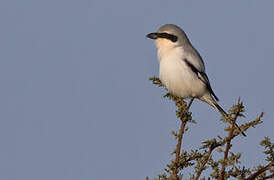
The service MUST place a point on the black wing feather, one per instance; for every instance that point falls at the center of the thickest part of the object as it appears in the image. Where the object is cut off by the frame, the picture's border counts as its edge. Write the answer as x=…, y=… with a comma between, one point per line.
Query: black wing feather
x=202, y=76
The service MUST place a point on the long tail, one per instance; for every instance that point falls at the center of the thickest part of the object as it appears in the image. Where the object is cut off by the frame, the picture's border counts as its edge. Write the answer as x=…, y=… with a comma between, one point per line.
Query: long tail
x=220, y=109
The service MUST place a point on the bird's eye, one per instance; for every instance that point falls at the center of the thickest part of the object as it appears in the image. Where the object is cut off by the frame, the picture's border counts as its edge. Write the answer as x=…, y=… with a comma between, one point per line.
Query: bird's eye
x=173, y=38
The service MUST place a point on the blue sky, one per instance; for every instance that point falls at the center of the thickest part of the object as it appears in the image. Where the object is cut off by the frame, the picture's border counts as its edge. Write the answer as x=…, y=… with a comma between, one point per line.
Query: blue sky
x=76, y=102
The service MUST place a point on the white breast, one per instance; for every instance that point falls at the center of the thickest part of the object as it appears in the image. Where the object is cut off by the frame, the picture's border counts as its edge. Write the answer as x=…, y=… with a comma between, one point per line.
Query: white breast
x=177, y=77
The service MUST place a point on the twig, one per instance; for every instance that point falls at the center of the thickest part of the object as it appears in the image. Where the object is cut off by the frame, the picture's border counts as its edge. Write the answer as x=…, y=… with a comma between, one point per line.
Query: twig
x=260, y=171
x=178, y=147
x=269, y=176
x=228, y=145
x=205, y=161
x=179, y=144
x=190, y=103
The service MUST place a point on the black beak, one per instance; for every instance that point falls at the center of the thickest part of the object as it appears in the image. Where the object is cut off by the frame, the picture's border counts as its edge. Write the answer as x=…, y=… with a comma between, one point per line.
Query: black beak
x=153, y=35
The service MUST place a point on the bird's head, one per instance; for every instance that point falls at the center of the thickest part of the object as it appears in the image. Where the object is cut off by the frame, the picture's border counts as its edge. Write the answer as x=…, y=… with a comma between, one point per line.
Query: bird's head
x=169, y=36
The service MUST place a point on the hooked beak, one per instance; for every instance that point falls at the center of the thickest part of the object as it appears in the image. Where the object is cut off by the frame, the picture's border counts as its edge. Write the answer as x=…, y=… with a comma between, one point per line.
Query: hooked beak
x=152, y=35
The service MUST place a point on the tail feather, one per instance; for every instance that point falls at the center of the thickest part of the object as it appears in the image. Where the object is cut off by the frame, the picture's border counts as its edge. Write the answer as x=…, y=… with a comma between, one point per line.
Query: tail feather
x=220, y=109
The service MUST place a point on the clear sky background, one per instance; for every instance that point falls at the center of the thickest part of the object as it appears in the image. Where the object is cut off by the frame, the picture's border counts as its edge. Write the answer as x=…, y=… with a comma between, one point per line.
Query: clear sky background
x=75, y=99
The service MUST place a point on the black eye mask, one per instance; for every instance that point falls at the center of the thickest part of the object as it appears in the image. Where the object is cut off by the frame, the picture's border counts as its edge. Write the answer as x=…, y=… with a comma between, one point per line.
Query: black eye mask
x=170, y=37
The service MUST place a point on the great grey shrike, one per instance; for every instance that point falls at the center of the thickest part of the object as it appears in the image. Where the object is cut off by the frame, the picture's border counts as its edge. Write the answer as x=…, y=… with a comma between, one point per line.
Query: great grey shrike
x=182, y=70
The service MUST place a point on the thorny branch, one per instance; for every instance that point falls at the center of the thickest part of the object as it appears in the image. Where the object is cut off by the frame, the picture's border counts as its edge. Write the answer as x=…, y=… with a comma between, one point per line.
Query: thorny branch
x=228, y=144
x=211, y=148
x=268, y=177
x=260, y=171
x=179, y=144
x=184, y=159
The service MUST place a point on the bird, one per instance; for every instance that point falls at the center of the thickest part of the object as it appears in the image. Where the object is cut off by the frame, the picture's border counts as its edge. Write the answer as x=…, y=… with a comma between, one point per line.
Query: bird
x=181, y=67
